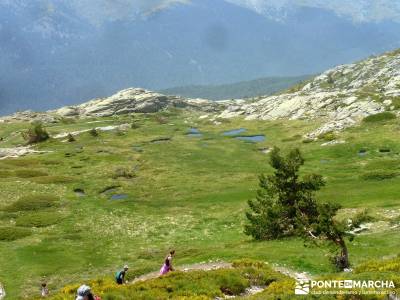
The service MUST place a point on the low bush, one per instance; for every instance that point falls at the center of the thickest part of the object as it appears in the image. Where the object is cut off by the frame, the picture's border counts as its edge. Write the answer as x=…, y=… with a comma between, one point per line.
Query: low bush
x=32, y=202
x=386, y=265
x=328, y=136
x=93, y=132
x=38, y=219
x=194, y=284
x=383, y=116
x=27, y=173
x=135, y=125
x=292, y=138
x=53, y=179
x=70, y=138
x=124, y=173
x=379, y=175
x=307, y=141
x=35, y=134
x=9, y=233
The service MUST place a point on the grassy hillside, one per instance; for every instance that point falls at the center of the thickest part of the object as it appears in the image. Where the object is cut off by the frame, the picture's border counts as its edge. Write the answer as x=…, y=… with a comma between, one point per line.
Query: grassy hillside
x=60, y=223
x=243, y=89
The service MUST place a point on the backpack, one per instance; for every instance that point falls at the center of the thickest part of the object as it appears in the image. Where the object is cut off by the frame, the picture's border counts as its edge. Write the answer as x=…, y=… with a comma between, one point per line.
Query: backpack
x=117, y=275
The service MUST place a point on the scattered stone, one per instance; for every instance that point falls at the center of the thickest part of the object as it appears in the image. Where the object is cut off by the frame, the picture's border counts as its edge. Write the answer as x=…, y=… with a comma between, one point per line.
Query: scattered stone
x=2, y=291
x=104, y=128
x=334, y=142
x=265, y=150
x=17, y=152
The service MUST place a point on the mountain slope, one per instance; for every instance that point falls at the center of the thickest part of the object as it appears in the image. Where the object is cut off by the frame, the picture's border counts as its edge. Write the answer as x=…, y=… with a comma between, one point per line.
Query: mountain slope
x=243, y=89
x=342, y=96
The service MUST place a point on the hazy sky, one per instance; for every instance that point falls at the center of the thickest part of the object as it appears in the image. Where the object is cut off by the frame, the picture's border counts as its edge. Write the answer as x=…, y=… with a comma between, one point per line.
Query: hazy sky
x=58, y=52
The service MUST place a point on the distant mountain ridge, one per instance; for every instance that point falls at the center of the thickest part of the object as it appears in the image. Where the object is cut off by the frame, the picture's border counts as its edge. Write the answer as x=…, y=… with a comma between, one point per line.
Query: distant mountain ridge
x=60, y=52
x=243, y=89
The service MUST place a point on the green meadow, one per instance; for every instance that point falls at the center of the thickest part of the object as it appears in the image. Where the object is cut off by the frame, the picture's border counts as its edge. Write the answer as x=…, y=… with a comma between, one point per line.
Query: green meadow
x=84, y=208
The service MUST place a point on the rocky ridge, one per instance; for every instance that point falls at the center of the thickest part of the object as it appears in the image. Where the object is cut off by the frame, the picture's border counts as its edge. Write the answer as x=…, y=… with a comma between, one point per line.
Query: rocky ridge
x=134, y=100
x=341, y=96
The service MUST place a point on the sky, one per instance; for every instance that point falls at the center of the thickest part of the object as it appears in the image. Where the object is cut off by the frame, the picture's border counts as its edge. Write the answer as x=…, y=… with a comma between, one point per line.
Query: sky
x=60, y=52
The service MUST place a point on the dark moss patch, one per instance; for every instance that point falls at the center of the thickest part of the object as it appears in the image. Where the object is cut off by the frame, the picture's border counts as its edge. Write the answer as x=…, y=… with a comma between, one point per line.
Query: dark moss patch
x=32, y=202
x=38, y=219
x=379, y=175
x=379, y=117
x=5, y=173
x=53, y=179
x=28, y=173
x=9, y=233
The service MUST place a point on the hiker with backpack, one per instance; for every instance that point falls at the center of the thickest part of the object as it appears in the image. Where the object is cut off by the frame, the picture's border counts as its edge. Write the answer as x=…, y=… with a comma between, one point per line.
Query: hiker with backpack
x=120, y=276
x=85, y=293
x=167, y=266
x=44, y=291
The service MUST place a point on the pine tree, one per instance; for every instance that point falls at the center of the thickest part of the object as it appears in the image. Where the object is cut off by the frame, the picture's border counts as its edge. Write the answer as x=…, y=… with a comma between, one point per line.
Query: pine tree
x=285, y=205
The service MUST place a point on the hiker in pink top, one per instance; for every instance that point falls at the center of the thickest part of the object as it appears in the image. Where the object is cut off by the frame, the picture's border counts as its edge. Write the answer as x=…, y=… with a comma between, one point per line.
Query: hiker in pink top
x=167, y=266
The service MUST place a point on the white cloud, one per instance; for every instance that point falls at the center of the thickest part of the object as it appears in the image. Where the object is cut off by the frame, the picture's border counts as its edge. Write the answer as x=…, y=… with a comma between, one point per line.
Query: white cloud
x=358, y=10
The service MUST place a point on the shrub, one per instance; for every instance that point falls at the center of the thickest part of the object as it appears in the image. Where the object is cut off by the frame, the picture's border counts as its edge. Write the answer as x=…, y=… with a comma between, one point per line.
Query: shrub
x=135, y=125
x=35, y=134
x=383, y=116
x=70, y=138
x=9, y=233
x=123, y=172
x=307, y=141
x=160, y=119
x=93, y=132
x=32, y=202
x=53, y=179
x=38, y=219
x=27, y=173
x=379, y=175
x=328, y=136
x=387, y=265
x=193, y=285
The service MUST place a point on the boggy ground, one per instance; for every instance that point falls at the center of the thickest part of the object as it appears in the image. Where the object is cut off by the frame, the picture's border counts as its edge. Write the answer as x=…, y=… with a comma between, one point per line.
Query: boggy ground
x=59, y=224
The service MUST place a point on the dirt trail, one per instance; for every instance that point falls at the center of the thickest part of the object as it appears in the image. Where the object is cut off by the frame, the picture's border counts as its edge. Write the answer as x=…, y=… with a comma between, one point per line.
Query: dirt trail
x=187, y=268
x=225, y=265
x=222, y=265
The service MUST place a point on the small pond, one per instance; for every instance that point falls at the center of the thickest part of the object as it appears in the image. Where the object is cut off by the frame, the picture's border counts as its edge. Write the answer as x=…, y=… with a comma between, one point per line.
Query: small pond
x=234, y=132
x=251, y=138
x=119, y=196
x=194, y=132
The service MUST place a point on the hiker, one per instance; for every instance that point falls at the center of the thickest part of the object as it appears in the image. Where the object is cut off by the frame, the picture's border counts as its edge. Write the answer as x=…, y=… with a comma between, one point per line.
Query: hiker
x=120, y=276
x=84, y=293
x=44, y=291
x=167, y=266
